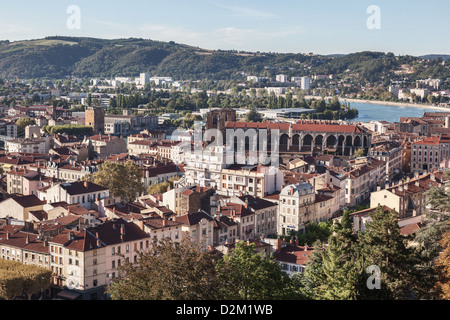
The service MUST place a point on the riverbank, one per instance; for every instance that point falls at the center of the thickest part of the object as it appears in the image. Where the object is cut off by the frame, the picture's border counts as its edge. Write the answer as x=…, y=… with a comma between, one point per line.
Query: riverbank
x=386, y=103
x=396, y=104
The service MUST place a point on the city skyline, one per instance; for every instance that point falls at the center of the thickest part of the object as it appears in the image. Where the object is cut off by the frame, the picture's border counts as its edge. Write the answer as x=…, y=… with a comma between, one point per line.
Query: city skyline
x=324, y=27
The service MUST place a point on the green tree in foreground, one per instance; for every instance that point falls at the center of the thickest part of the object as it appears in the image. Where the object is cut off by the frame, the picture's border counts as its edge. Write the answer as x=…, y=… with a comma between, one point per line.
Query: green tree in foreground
x=17, y=279
x=246, y=274
x=443, y=268
x=437, y=223
x=168, y=271
x=341, y=269
x=383, y=246
x=123, y=180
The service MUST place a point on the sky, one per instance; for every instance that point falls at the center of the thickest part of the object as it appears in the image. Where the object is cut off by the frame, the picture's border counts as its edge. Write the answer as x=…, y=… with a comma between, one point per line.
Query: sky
x=295, y=26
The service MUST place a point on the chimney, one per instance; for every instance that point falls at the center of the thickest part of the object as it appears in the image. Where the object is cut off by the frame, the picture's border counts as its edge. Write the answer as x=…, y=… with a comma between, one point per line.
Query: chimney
x=141, y=222
x=99, y=243
x=246, y=203
x=433, y=177
x=164, y=222
x=306, y=247
x=278, y=248
x=27, y=241
x=71, y=235
x=86, y=184
x=7, y=235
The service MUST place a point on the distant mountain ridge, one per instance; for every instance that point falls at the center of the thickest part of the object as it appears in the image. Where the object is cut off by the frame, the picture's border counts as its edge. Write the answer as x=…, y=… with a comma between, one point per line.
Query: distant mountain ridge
x=59, y=57
x=436, y=56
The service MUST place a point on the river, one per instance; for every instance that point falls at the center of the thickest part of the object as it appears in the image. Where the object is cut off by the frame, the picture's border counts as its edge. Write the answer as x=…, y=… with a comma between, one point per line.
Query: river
x=372, y=112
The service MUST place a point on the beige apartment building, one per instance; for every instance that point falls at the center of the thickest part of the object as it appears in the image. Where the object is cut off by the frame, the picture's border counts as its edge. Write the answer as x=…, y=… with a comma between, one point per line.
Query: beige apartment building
x=257, y=181
x=427, y=154
x=85, y=262
x=199, y=227
x=296, y=207
x=407, y=198
x=391, y=153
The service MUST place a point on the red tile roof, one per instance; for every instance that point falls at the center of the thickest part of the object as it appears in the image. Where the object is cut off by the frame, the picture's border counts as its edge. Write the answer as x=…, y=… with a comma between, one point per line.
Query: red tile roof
x=28, y=201
x=312, y=127
x=82, y=187
x=410, y=229
x=294, y=254
x=194, y=218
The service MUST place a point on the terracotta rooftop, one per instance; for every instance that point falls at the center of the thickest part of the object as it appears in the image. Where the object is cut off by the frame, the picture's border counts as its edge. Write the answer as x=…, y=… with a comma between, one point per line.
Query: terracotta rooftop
x=313, y=127
x=28, y=201
x=155, y=223
x=106, y=234
x=293, y=254
x=81, y=187
x=194, y=218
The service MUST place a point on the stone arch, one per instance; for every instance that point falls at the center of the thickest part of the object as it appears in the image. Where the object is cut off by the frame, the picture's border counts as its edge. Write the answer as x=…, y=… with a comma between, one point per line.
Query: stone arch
x=318, y=141
x=331, y=141
x=349, y=141
x=308, y=140
x=348, y=145
x=365, y=142
x=357, y=143
x=284, y=141
x=247, y=143
x=341, y=143
x=296, y=141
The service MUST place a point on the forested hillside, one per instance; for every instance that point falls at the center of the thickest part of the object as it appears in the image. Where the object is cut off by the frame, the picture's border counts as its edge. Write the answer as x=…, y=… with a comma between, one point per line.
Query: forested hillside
x=59, y=57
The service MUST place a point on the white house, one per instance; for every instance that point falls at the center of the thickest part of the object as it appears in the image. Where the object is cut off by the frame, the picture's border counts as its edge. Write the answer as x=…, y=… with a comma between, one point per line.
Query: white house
x=81, y=192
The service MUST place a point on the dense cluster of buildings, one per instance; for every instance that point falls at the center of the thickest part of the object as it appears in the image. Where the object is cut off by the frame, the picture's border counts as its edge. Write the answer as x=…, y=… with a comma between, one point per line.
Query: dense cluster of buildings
x=423, y=89
x=224, y=190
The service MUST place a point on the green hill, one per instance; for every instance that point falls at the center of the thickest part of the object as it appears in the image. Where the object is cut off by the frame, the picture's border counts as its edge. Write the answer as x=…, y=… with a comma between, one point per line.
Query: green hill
x=59, y=57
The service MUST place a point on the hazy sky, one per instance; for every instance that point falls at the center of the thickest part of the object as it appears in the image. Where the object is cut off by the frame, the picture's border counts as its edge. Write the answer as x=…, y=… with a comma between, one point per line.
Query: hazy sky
x=320, y=26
